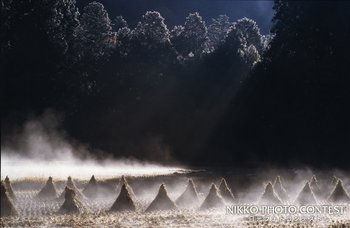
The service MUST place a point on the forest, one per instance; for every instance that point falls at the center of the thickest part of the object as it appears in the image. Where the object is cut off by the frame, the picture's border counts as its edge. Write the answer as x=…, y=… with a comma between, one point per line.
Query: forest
x=202, y=93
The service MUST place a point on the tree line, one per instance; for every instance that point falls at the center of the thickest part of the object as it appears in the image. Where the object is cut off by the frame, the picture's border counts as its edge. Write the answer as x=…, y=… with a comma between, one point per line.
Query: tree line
x=132, y=83
x=200, y=92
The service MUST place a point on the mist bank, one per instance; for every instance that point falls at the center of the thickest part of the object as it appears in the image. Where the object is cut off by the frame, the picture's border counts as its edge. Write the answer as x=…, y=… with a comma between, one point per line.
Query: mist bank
x=19, y=167
x=41, y=148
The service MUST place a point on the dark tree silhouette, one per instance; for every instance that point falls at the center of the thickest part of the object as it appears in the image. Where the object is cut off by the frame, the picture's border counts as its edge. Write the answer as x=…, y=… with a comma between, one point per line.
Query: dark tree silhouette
x=293, y=107
x=251, y=32
x=148, y=92
x=118, y=23
x=62, y=24
x=191, y=39
x=217, y=30
x=95, y=33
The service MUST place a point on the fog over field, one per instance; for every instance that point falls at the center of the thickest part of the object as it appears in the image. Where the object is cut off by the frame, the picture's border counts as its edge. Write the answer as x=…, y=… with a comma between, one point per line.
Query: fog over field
x=41, y=148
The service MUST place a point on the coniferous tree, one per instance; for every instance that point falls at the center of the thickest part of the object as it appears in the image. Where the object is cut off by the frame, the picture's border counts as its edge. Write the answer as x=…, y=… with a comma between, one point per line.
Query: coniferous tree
x=95, y=33
x=251, y=32
x=124, y=36
x=217, y=31
x=62, y=24
x=294, y=100
x=118, y=23
x=151, y=30
x=148, y=50
x=191, y=41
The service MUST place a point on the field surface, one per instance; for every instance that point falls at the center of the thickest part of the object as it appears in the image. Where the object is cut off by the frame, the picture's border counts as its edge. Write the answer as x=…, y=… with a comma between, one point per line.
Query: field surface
x=33, y=212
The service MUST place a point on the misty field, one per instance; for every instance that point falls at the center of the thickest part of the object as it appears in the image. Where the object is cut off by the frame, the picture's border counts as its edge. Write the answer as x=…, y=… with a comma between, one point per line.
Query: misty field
x=246, y=187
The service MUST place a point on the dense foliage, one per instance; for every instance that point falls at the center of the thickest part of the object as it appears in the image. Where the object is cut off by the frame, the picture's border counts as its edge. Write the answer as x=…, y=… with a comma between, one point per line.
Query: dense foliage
x=190, y=92
x=295, y=105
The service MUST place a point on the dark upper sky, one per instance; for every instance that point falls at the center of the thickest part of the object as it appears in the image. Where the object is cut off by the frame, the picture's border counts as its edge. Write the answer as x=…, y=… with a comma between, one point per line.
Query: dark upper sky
x=175, y=11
